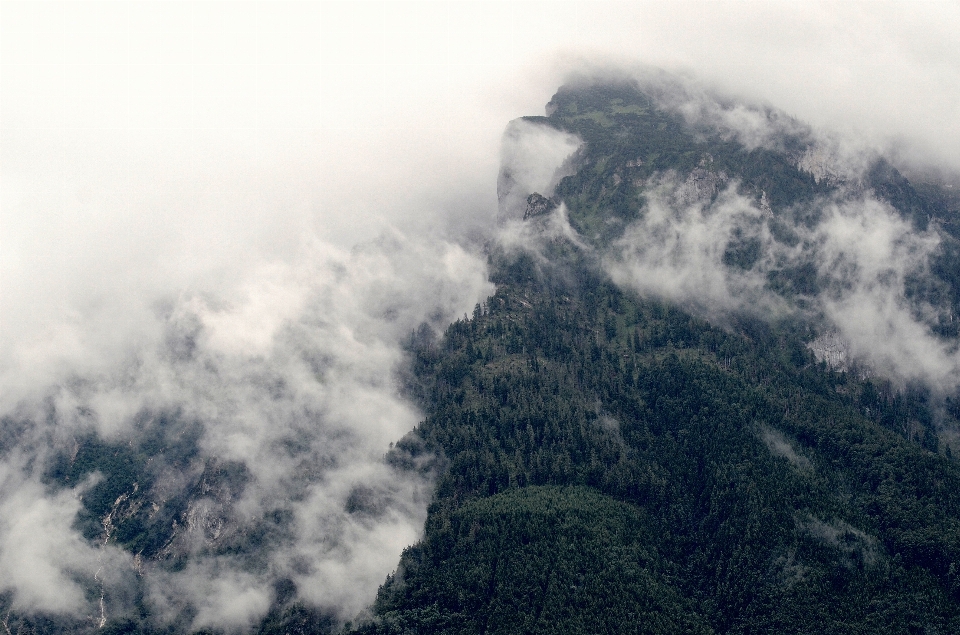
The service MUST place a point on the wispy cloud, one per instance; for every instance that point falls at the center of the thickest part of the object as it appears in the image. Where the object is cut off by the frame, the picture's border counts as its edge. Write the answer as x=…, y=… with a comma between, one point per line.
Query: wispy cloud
x=183, y=188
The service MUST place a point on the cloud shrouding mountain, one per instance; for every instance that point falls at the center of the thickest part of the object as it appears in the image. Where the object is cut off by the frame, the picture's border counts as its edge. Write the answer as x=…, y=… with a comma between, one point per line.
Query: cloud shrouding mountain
x=291, y=379
x=863, y=258
x=233, y=217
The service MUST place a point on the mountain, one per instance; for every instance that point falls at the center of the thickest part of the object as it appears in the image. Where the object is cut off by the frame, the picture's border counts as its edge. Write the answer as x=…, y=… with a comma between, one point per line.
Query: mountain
x=714, y=391
x=631, y=456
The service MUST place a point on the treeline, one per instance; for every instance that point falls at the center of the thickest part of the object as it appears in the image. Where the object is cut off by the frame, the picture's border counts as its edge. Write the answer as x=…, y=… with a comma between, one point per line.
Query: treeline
x=767, y=493
x=614, y=464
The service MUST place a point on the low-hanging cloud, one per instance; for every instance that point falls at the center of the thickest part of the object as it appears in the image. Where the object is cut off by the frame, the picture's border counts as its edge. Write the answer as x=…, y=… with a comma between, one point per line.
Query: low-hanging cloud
x=677, y=249
x=185, y=186
x=291, y=377
x=41, y=558
x=861, y=252
x=533, y=159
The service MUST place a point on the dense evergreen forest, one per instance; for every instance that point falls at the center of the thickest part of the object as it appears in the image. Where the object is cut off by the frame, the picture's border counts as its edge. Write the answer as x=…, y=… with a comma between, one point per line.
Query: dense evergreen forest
x=608, y=461
x=616, y=464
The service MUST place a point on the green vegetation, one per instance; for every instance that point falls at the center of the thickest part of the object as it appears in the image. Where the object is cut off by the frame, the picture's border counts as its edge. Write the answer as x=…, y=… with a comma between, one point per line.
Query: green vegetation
x=124, y=474
x=615, y=464
x=628, y=140
x=537, y=559
x=736, y=483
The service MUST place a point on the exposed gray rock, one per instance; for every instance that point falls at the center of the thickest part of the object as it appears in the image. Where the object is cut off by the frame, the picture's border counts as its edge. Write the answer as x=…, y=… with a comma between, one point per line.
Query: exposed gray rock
x=539, y=205
x=701, y=186
x=831, y=349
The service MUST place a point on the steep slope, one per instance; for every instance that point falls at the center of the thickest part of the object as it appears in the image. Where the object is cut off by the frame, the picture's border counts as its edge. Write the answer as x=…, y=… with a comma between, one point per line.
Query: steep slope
x=624, y=462
x=715, y=391
x=770, y=502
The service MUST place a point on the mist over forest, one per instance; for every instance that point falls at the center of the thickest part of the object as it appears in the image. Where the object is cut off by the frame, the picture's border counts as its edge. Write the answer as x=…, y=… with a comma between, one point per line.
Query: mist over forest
x=232, y=236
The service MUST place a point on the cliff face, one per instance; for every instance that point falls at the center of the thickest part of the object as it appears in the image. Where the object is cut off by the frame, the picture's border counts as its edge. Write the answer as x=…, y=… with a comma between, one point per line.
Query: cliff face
x=534, y=158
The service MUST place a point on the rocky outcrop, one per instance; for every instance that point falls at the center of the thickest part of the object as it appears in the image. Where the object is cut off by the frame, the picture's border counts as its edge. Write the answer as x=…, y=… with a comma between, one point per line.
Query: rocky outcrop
x=700, y=186
x=831, y=349
x=539, y=205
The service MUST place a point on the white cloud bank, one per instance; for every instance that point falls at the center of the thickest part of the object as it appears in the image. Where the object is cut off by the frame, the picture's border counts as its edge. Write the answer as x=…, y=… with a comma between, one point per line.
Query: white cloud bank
x=291, y=375
x=863, y=254
x=183, y=185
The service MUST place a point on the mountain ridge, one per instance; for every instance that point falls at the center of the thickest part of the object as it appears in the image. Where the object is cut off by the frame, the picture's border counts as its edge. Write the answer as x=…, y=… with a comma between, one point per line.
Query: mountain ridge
x=714, y=391
x=788, y=496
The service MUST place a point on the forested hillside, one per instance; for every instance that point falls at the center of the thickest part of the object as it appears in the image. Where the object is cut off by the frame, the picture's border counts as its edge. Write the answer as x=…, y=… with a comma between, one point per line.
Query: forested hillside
x=714, y=391
x=617, y=463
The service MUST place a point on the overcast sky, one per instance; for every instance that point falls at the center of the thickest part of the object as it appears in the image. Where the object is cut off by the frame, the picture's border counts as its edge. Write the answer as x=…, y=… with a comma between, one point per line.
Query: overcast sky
x=219, y=160
x=162, y=141
x=149, y=148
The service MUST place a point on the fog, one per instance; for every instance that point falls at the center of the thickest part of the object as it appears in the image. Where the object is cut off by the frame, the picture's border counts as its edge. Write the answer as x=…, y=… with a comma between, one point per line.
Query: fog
x=862, y=251
x=239, y=211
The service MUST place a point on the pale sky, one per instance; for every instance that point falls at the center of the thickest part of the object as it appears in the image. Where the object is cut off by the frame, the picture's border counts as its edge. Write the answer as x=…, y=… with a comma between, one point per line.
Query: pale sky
x=267, y=182
x=147, y=147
